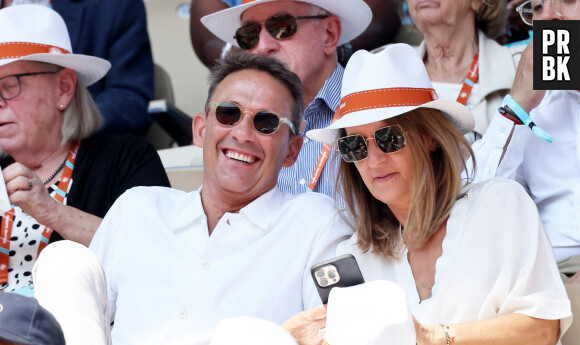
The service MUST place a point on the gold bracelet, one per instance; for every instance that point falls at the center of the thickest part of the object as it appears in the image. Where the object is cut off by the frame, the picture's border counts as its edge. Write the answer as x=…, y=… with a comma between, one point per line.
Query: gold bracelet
x=449, y=335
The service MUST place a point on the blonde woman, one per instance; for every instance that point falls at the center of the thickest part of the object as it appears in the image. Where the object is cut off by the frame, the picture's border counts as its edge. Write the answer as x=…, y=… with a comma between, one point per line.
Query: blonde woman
x=473, y=259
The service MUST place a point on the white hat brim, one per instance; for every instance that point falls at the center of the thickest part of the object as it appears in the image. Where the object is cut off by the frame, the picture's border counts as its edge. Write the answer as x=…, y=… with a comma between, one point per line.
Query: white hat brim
x=454, y=111
x=89, y=69
x=355, y=16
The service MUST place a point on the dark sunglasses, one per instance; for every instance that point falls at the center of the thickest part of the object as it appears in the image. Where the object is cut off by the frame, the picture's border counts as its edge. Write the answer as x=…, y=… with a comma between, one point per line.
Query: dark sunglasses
x=229, y=114
x=353, y=148
x=279, y=26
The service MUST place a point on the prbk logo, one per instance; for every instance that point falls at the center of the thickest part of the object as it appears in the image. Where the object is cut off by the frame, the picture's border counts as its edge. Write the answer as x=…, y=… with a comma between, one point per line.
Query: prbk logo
x=557, y=54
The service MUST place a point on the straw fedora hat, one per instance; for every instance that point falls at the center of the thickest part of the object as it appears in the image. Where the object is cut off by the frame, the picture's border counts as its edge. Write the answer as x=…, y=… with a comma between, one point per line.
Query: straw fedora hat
x=355, y=16
x=37, y=33
x=389, y=83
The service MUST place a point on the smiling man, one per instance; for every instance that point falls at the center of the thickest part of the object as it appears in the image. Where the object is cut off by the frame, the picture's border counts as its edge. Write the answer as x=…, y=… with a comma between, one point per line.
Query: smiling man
x=303, y=35
x=238, y=246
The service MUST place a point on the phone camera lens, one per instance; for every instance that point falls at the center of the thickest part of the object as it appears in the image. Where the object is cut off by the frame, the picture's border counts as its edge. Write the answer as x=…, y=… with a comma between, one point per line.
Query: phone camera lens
x=320, y=273
x=331, y=274
x=323, y=282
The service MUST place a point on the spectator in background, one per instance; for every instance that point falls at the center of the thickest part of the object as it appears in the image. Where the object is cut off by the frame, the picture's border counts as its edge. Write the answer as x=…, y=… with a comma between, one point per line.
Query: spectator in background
x=59, y=173
x=547, y=170
x=382, y=30
x=115, y=31
x=308, y=47
x=462, y=58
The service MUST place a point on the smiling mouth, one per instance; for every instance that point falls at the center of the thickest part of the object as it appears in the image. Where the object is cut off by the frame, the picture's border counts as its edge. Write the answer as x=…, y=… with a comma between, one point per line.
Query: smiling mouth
x=240, y=157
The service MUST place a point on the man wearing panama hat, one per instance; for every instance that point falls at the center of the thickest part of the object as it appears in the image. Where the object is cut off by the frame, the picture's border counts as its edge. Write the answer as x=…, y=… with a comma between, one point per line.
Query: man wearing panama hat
x=304, y=36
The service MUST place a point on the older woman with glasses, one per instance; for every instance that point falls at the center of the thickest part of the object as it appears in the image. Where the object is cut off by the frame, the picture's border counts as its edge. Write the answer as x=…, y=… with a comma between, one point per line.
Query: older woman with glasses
x=463, y=60
x=60, y=176
x=473, y=259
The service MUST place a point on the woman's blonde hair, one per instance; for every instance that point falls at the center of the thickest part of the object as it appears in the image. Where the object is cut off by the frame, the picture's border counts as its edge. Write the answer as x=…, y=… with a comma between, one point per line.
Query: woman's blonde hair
x=437, y=185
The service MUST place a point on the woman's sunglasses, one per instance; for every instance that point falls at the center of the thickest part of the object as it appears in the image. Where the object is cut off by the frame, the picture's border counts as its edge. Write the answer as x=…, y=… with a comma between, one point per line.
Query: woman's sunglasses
x=229, y=114
x=279, y=26
x=353, y=148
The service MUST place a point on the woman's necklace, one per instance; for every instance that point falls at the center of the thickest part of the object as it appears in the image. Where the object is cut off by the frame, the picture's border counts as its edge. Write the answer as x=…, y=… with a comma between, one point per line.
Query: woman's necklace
x=55, y=172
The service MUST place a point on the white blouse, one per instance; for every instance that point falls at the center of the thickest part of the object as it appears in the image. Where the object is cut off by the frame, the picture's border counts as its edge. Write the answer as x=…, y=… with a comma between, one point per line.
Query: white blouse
x=496, y=260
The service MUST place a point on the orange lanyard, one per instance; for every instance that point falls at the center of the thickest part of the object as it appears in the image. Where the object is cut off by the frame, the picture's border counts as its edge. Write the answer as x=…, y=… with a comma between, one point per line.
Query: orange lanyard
x=322, y=158
x=8, y=219
x=470, y=80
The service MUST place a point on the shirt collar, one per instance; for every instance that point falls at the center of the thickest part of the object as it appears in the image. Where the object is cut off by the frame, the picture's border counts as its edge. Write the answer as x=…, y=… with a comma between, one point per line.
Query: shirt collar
x=265, y=208
x=330, y=91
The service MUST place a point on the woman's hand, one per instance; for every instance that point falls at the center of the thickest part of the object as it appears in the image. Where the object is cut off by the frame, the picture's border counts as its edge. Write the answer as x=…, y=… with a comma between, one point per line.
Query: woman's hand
x=429, y=335
x=304, y=326
x=26, y=191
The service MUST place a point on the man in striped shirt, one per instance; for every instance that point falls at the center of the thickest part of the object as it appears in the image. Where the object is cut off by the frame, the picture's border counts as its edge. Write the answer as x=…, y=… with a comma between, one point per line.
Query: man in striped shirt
x=304, y=36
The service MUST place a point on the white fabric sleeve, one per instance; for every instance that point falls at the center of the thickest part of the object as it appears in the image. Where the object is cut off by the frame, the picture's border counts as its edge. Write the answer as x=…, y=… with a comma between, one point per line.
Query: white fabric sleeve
x=489, y=149
x=323, y=248
x=529, y=274
x=105, y=245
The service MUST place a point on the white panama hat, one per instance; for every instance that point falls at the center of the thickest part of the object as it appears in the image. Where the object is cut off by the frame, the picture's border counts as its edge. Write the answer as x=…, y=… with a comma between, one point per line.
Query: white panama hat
x=38, y=33
x=389, y=83
x=355, y=16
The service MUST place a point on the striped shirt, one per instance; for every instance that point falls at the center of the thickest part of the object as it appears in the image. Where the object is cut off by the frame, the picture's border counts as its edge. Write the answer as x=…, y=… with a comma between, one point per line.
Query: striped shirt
x=318, y=114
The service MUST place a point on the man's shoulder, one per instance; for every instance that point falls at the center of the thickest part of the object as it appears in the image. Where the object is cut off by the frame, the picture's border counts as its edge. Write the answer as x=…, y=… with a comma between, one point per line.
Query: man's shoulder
x=309, y=204
x=155, y=197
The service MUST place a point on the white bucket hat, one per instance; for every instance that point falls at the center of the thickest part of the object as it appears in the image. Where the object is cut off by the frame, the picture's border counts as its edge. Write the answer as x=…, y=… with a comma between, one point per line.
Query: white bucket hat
x=373, y=313
x=389, y=83
x=37, y=33
x=355, y=16
x=248, y=330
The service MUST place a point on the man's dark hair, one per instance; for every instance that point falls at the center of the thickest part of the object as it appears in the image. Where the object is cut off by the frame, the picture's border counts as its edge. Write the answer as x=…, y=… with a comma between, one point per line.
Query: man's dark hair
x=242, y=61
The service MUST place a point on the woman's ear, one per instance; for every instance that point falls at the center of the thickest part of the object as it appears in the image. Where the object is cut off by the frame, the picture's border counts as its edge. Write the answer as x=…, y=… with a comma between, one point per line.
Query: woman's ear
x=67, y=83
x=430, y=143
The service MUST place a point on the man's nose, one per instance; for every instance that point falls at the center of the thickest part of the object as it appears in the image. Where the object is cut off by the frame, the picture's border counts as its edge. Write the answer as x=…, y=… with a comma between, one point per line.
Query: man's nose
x=267, y=45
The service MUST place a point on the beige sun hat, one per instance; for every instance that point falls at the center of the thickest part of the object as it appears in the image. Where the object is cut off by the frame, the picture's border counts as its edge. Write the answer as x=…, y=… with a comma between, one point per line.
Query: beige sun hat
x=355, y=16
x=38, y=33
x=389, y=83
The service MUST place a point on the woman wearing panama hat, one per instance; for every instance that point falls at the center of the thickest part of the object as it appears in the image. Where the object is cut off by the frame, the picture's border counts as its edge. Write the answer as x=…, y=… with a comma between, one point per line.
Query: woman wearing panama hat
x=473, y=259
x=59, y=175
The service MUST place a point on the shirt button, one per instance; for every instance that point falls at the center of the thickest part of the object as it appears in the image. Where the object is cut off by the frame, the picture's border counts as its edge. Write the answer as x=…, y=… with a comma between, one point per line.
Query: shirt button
x=204, y=264
x=182, y=314
x=302, y=181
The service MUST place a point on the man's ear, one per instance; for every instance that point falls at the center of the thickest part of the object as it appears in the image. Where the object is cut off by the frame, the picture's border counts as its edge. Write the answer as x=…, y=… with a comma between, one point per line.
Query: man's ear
x=333, y=31
x=67, y=82
x=198, y=128
x=293, y=150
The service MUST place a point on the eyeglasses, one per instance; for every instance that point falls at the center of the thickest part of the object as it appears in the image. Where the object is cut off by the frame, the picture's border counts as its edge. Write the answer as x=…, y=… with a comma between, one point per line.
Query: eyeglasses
x=264, y=122
x=533, y=8
x=10, y=86
x=354, y=148
x=279, y=26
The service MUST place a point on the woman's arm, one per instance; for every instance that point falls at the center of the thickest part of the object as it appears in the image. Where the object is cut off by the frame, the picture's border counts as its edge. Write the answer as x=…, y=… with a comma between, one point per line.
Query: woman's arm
x=504, y=330
x=71, y=223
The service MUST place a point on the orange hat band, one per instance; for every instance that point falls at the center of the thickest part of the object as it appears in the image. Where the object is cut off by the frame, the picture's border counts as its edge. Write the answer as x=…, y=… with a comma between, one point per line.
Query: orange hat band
x=247, y=1
x=384, y=98
x=15, y=50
